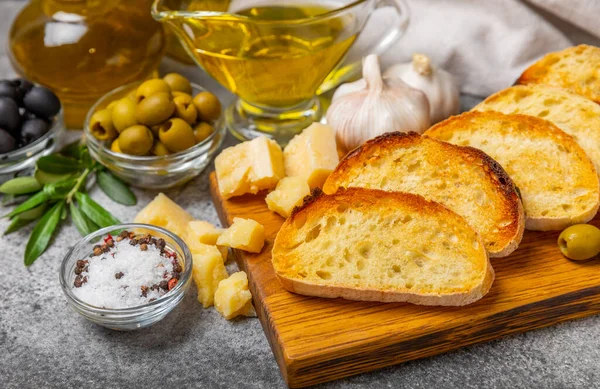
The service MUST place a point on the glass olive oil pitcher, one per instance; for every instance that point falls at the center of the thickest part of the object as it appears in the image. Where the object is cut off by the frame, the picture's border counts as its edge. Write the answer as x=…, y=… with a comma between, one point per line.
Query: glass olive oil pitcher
x=274, y=55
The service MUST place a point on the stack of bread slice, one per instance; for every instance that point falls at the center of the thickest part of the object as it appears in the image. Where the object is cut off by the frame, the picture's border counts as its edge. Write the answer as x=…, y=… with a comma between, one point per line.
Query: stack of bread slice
x=414, y=218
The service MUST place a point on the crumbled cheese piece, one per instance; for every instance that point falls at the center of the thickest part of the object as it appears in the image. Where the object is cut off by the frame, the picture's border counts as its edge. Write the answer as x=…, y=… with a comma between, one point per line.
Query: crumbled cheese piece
x=243, y=234
x=165, y=213
x=249, y=167
x=207, y=270
x=288, y=194
x=199, y=232
x=312, y=154
x=232, y=297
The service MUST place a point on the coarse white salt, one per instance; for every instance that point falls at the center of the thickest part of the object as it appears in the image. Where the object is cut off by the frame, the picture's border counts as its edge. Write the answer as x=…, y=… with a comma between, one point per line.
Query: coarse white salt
x=140, y=268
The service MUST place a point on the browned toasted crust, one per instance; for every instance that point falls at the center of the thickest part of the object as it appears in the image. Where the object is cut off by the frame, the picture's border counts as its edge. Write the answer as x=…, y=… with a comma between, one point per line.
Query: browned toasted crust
x=544, y=72
x=534, y=128
x=320, y=201
x=513, y=208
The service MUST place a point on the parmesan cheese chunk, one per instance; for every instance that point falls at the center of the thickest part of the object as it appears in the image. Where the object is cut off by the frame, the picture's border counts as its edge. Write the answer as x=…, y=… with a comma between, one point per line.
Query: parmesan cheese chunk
x=244, y=234
x=249, y=167
x=289, y=193
x=233, y=298
x=312, y=154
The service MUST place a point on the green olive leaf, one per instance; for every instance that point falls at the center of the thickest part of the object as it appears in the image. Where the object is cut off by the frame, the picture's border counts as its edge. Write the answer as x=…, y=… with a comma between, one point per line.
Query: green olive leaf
x=42, y=233
x=115, y=188
x=15, y=225
x=59, y=164
x=84, y=225
x=73, y=150
x=34, y=213
x=94, y=211
x=59, y=190
x=30, y=203
x=20, y=185
x=48, y=178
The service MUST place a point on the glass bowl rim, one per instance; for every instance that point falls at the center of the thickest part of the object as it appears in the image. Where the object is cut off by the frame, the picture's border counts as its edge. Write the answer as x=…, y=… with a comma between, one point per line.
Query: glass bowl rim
x=135, y=158
x=179, y=288
x=21, y=153
x=158, y=15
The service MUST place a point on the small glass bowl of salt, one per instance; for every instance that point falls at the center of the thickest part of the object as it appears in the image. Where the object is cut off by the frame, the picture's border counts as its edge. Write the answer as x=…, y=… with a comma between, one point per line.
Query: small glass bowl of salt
x=127, y=276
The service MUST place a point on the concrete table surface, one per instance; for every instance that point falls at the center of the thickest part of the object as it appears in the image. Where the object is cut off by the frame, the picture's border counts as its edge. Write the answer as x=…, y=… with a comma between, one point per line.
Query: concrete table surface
x=45, y=344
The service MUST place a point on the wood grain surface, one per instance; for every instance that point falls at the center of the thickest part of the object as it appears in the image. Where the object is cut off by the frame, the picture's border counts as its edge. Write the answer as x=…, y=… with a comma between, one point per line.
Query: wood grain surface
x=316, y=340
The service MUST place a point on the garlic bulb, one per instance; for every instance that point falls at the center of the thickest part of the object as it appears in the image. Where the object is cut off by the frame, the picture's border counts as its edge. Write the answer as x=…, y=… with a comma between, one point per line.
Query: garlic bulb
x=374, y=105
x=439, y=85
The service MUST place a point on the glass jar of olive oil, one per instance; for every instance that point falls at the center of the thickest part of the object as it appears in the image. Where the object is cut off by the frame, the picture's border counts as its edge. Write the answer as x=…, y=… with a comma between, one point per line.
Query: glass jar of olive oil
x=82, y=49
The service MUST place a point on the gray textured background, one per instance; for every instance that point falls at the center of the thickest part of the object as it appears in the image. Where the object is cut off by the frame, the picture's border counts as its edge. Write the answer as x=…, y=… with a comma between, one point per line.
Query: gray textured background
x=43, y=343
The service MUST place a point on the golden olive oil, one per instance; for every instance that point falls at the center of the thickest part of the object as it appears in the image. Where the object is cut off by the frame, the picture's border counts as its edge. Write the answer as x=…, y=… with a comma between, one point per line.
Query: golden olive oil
x=82, y=49
x=271, y=56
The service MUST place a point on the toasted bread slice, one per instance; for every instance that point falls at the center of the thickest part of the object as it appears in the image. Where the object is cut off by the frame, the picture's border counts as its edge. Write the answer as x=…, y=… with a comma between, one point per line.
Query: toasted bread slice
x=464, y=179
x=575, y=115
x=558, y=182
x=371, y=245
x=576, y=68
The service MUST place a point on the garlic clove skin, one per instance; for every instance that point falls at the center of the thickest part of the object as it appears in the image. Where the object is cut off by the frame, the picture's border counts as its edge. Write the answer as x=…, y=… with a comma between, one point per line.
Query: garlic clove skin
x=374, y=105
x=439, y=86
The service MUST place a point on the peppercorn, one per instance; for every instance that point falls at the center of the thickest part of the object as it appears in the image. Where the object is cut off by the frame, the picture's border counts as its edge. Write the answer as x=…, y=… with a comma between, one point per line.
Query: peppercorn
x=143, y=247
x=119, y=275
x=78, y=281
x=161, y=243
x=164, y=285
x=144, y=289
x=177, y=267
x=110, y=243
x=133, y=242
x=97, y=250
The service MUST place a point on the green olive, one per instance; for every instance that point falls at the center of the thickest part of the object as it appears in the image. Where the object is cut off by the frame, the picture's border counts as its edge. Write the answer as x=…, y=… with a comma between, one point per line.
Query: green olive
x=177, y=135
x=111, y=105
x=208, y=106
x=155, y=109
x=184, y=109
x=178, y=83
x=177, y=94
x=132, y=96
x=202, y=131
x=155, y=130
x=151, y=87
x=101, y=125
x=159, y=149
x=136, y=140
x=579, y=242
x=115, y=146
x=123, y=114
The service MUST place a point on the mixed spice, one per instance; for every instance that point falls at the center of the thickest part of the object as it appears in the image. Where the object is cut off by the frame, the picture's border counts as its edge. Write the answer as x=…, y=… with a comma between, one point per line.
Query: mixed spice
x=126, y=271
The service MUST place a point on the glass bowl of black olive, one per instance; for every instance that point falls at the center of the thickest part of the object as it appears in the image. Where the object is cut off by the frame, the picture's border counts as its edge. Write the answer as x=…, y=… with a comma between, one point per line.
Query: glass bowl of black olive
x=31, y=125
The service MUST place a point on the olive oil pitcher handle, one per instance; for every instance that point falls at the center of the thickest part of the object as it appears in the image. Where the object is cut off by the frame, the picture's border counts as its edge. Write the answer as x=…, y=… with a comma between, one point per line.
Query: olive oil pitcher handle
x=387, y=22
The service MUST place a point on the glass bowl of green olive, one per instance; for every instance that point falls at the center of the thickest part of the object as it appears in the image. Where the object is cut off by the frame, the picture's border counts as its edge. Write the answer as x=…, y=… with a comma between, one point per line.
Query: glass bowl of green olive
x=157, y=133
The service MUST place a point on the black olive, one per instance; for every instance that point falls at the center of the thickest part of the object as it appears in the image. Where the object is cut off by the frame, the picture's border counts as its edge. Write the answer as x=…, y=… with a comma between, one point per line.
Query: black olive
x=7, y=142
x=10, y=118
x=7, y=89
x=42, y=102
x=22, y=86
x=33, y=129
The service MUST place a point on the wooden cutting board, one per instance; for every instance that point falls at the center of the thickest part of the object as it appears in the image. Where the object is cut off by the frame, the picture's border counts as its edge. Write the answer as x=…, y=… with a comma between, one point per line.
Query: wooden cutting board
x=316, y=340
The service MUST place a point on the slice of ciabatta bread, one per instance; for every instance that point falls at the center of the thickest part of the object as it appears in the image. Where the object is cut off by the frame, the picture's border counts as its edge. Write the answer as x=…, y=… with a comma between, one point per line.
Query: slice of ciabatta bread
x=575, y=115
x=558, y=182
x=371, y=245
x=464, y=179
x=576, y=68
